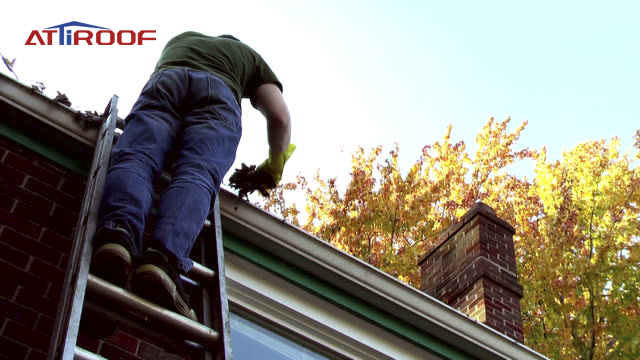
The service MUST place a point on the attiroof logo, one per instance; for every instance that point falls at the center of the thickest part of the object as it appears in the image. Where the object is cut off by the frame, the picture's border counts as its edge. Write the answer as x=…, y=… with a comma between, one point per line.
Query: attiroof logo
x=97, y=34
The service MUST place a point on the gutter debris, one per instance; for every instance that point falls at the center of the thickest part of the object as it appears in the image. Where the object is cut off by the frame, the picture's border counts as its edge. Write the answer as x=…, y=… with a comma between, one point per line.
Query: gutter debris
x=87, y=119
x=246, y=180
x=62, y=99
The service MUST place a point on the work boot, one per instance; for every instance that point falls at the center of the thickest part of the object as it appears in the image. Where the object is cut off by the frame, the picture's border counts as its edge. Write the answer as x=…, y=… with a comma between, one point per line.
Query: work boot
x=112, y=256
x=158, y=281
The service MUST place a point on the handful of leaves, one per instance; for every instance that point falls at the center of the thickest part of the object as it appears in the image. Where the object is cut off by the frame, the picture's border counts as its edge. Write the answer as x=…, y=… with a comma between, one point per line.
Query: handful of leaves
x=248, y=179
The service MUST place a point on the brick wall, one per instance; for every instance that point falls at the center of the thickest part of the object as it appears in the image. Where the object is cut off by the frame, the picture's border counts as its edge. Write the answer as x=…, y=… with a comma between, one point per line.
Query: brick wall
x=39, y=205
x=473, y=269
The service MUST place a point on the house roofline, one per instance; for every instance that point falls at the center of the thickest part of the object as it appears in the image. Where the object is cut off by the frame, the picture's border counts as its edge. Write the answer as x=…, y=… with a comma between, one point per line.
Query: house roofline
x=50, y=112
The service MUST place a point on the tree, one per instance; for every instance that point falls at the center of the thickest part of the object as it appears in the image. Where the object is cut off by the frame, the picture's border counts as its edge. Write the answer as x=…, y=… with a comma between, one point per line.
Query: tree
x=577, y=228
x=583, y=303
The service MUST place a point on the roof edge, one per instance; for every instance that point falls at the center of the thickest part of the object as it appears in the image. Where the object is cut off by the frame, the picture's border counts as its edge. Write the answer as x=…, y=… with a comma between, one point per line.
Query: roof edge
x=41, y=107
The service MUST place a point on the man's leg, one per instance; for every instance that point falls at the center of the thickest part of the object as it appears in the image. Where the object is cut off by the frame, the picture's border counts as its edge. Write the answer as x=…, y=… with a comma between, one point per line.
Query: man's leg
x=207, y=147
x=137, y=159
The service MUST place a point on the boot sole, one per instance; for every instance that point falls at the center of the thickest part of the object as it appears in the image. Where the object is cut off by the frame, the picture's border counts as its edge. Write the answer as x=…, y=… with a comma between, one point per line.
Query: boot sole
x=153, y=284
x=112, y=262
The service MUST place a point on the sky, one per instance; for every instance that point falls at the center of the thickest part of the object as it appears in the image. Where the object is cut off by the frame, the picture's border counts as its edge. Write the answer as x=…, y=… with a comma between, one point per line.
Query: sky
x=368, y=73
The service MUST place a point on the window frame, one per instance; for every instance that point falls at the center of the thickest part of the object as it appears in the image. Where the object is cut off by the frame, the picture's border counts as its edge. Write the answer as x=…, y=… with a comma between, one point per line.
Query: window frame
x=262, y=297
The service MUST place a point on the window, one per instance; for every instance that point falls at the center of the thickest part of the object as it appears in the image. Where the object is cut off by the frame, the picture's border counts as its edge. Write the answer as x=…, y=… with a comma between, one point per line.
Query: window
x=251, y=341
x=258, y=297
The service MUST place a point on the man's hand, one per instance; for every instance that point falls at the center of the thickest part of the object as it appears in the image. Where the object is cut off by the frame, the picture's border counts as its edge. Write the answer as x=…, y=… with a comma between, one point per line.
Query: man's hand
x=267, y=176
x=274, y=165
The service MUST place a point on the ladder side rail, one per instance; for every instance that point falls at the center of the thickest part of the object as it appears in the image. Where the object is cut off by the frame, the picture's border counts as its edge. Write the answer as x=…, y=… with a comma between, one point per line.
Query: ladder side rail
x=206, y=309
x=220, y=303
x=65, y=332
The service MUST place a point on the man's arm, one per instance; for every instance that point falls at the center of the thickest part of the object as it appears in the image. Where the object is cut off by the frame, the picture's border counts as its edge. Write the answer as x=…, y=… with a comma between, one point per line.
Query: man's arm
x=269, y=101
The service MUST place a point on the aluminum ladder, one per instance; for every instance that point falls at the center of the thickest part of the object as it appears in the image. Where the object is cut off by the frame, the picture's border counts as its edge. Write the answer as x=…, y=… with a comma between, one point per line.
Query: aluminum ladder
x=209, y=338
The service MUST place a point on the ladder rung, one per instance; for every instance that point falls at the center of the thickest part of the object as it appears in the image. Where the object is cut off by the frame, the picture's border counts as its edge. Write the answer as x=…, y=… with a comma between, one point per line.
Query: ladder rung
x=156, y=334
x=191, y=329
x=202, y=273
x=190, y=282
x=82, y=354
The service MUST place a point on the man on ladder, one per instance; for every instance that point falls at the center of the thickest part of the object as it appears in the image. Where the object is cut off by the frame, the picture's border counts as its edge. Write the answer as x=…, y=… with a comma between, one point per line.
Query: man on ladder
x=190, y=105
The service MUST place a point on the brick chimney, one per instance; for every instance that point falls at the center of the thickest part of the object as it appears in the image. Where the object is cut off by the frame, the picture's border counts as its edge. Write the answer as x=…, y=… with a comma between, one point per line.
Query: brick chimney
x=473, y=269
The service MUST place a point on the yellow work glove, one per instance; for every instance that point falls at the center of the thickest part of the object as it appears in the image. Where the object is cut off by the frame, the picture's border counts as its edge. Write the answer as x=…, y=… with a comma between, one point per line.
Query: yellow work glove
x=274, y=165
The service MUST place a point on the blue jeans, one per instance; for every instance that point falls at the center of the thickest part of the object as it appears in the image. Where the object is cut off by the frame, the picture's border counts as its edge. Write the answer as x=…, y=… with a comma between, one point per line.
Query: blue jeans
x=191, y=112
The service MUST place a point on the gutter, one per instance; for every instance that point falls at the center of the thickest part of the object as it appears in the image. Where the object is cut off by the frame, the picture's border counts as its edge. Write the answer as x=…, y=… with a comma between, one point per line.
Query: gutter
x=39, y=106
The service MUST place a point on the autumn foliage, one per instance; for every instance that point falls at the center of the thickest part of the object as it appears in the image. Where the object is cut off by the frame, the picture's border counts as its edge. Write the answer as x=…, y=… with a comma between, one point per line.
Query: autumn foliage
x=577, y=227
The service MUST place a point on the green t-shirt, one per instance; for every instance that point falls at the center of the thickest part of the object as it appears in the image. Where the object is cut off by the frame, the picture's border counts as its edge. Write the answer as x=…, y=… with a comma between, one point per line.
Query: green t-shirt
x=238, y=65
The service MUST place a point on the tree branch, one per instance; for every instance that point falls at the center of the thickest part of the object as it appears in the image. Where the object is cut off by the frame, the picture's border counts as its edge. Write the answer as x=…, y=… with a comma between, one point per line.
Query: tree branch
x=592, y=347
